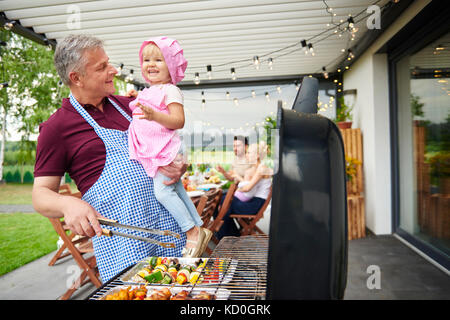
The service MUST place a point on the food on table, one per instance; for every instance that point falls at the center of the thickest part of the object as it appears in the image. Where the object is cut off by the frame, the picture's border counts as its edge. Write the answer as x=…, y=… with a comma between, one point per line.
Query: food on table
x=213, y=179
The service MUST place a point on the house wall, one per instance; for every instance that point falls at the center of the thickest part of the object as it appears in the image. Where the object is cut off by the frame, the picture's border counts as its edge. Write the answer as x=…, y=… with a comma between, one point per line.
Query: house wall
x=369, y=75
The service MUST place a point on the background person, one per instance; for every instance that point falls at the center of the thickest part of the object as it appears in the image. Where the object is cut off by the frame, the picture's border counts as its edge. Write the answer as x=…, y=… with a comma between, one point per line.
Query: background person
x=240, y=162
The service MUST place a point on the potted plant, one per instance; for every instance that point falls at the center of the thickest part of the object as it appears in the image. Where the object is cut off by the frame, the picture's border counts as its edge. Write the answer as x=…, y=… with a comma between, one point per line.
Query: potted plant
x=343, y=115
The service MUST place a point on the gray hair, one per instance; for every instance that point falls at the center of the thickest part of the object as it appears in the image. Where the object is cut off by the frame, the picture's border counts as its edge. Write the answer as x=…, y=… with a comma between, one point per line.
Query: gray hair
x=69, y=54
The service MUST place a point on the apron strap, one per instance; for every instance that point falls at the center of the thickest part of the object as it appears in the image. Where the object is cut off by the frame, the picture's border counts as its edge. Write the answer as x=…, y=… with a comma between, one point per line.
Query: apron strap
x=88, y=117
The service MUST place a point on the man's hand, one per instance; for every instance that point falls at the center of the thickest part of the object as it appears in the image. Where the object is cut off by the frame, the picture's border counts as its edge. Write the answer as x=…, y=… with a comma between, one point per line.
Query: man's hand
x=174, y=170
x=220, y=169
x=132, y=93
x=81, y=217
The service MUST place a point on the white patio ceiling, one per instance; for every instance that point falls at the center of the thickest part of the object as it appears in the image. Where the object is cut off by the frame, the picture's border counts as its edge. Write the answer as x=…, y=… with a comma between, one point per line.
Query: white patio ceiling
x=224, y=34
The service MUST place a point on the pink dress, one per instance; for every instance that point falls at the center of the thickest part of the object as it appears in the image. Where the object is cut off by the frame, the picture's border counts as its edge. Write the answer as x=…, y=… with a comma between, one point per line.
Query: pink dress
x=150, y=143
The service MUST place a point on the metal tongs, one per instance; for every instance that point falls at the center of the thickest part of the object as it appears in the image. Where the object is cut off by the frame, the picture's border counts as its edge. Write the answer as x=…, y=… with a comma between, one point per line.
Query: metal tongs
x=114, y=223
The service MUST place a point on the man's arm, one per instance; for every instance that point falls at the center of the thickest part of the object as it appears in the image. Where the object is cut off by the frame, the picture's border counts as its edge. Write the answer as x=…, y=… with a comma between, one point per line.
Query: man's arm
x=79, y=216
x=228, y=175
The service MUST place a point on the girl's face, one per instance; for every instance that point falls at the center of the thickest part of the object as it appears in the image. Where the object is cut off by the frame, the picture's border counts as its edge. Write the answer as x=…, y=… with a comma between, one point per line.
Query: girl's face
x=252, y=154
x=154, y=66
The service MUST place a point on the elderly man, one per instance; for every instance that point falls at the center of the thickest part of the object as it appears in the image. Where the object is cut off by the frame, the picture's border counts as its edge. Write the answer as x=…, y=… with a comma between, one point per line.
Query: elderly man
x=87, y=137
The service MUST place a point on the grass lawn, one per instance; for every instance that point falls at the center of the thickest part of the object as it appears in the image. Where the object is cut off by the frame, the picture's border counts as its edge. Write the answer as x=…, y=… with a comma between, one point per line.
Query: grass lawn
x=15, y=193
x=24, y=237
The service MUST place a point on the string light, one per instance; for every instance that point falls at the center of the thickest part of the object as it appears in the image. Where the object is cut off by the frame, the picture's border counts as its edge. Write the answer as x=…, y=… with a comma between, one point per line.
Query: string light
x=253, y=94
x=9, y=24
x=325, y=73
x=279, y=89
x=209, y=71
x=197, y=78
x=270, y=63
x=267, y=96
x=4, y=85
x=119, y=70
x=130, y=77
x=256, y=62
x=304, y=46
x=345, y=25
x=236, y=102
x=233, y=74
x=228, y=95
x=311, y=49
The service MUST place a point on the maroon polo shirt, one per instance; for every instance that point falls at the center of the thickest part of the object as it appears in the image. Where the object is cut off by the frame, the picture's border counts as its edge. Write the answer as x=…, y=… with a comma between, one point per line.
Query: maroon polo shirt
x=67, y=143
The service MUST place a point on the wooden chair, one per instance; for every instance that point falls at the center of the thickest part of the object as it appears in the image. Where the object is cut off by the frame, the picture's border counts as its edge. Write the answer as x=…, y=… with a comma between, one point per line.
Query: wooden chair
x=215, y=224
x=248, y=222
x=208, y=204
x=77, y=247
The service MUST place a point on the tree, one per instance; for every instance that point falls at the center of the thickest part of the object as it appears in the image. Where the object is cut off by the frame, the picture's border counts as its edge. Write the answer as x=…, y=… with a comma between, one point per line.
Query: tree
x=416, y=106
x=33, y=93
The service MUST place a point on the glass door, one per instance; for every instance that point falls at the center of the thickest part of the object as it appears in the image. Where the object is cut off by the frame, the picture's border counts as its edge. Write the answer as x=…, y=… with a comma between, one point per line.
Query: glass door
x=423, y=128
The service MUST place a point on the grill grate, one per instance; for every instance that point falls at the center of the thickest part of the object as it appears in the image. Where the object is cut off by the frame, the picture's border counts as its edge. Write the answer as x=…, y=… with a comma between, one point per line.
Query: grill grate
x=245, y=271
x=250, y=276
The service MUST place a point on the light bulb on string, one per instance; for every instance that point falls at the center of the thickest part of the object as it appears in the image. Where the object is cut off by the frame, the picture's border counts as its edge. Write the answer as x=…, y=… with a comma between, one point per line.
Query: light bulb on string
x=9, y=25
x=311, y=49
x=119, y=70
x=297, y=86
x=350, y=55
x=228, y=95
x=267, y=96
x=209, y=71
x=351, y=22
x=270, y=63
x=233, y=74
x=279, y=89
x=304, y=46
x=253, y=94
x=236, y=102
x=197, y=78
x=130, y=77
x=256, y=62
x=203, y=104
x=325, y=73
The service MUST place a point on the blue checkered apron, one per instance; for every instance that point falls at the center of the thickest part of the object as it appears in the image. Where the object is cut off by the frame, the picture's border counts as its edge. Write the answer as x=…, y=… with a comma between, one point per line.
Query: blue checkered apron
x=124, y=192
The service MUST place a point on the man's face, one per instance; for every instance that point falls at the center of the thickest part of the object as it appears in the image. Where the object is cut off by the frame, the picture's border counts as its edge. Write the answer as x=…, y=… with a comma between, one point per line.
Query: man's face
x=239, y=148
x=98, y=76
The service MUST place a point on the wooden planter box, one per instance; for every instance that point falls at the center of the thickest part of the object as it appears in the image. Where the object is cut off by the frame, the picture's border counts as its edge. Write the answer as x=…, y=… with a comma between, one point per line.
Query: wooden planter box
x=355, y=188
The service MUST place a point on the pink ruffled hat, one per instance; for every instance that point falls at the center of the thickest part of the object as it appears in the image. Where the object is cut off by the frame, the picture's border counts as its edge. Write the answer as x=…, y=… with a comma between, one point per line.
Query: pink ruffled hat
x=173, y=54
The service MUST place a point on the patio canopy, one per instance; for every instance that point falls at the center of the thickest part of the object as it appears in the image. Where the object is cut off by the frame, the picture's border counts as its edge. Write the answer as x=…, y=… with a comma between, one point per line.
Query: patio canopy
x=258, y=38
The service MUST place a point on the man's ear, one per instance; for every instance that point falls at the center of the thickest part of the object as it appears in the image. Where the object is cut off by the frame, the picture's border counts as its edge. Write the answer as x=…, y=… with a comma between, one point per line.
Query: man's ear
x=75, y=78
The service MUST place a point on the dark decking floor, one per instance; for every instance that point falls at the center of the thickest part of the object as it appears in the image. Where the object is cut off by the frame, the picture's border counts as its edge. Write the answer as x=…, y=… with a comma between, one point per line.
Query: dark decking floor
x=404, y=274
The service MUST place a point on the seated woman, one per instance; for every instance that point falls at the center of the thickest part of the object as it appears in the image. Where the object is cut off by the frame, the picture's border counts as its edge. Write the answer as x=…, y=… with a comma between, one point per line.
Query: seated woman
x=252, y=192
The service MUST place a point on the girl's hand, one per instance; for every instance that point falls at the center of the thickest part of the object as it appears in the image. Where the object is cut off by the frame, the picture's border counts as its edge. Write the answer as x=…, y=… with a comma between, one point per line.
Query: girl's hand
x=149, y=113
x=132, y=93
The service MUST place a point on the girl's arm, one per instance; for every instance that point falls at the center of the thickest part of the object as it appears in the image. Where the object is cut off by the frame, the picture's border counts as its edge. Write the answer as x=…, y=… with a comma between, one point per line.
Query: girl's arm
x=255, y=179
x=173, y=120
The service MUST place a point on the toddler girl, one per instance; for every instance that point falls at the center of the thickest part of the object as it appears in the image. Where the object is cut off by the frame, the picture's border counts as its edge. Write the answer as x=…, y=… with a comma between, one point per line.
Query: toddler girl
x=153, y=140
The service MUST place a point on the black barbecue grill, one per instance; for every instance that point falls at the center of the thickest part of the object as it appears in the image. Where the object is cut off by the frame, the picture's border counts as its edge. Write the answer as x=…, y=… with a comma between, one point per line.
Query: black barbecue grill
x=308, y=225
